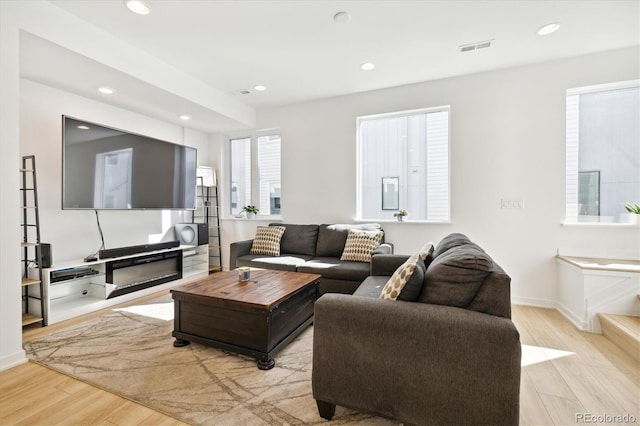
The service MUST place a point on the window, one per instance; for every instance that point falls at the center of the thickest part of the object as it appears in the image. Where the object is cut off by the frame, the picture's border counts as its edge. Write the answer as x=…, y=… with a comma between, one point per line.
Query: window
x=603, y=152
x=403, y=164
x=255, y=173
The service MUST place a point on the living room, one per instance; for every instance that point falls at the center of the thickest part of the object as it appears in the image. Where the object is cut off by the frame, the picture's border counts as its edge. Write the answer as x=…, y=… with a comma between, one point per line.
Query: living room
x=507, y=141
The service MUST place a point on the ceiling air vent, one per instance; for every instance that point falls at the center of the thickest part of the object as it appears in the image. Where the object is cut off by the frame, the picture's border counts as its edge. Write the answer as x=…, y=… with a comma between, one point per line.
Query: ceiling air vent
x=475, y=46
x=240, y=92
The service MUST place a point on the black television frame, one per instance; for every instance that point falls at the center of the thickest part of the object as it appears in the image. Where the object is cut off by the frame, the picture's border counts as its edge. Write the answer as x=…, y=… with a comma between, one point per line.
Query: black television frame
x=185, y=189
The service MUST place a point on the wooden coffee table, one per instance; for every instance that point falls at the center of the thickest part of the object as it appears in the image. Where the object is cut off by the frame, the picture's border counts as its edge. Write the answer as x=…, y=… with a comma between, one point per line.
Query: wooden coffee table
x=255, y=318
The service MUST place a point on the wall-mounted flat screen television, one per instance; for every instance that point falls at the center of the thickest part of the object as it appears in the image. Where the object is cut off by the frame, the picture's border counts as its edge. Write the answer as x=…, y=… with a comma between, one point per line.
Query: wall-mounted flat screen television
x=109, y=169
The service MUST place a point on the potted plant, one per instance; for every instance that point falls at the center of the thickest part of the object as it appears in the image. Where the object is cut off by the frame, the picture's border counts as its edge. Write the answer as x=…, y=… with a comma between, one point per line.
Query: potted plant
x=401, y=215
x=633, y=214
x=250, y=210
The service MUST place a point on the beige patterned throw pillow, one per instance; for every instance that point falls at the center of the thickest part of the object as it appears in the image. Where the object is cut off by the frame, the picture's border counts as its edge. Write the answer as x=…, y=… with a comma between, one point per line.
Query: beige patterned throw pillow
x=360, y=245
x=267, y=240
x=426, y=250
x=399, y=279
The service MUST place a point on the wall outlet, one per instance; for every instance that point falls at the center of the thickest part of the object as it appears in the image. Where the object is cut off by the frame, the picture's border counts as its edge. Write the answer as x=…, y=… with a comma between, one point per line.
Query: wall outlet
x=511, y=203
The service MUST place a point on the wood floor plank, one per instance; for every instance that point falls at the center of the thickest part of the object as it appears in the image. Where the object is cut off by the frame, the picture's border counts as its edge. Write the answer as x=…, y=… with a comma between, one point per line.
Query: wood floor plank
x=45, y=396
x=158, y=419
x=532, y=410
x=621, y=388
x=562, y=411
x=85, y=408
x=597, y=392
x=593, y=396
x=131, y=413
x=624, y=331
x=20, y=402
x=546, y=379
x=617, y=358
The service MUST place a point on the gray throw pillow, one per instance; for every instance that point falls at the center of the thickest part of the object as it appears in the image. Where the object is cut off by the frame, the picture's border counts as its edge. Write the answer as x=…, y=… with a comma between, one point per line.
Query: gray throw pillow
x=450, y=241
x=455, y=277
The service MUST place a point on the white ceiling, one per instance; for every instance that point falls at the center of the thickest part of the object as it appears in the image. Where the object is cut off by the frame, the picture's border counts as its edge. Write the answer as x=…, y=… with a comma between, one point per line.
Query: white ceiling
x=298, y=51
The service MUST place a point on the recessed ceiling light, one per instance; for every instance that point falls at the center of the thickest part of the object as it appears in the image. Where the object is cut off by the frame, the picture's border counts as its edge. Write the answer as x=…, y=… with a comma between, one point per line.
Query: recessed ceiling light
x=341, y=18
x=138, y=6
x=185, y=117
x=260, y=88
x=549, y=28
x=367, y=66
x=106, y=90
x=83, y=127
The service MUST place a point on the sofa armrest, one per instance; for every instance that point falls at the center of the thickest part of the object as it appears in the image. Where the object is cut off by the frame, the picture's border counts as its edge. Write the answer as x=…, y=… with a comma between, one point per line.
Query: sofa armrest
x=237, y=249
x=415, y=362
x=384, y=248
x=386, y=264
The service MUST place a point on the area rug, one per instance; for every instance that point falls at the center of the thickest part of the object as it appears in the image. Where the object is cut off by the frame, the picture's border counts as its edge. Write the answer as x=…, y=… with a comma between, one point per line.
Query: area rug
x=130, y=352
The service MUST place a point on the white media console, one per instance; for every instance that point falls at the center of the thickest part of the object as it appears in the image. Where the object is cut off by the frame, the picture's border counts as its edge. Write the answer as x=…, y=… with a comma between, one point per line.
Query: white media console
x=77, y=288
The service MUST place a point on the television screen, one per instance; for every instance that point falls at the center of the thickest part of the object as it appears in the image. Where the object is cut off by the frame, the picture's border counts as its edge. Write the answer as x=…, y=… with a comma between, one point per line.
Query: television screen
x=106, y=168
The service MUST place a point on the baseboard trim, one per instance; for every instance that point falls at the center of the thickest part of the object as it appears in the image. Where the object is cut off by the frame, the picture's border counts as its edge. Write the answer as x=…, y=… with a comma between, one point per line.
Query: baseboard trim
x=537, y=303
x=573, y=318
x=13, y=360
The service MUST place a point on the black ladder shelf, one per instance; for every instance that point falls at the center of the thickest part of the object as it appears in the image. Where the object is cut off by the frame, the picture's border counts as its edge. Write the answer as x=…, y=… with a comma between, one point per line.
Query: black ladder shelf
x=33, y=301
x=207, y=203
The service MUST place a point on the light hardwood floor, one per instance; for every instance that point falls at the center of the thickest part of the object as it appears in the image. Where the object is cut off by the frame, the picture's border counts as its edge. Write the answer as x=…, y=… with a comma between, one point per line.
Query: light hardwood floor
x=565, y=374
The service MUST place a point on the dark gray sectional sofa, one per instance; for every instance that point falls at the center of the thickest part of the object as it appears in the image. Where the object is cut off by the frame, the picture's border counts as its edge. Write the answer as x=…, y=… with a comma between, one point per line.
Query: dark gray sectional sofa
x=451, y=356
x=313, y=249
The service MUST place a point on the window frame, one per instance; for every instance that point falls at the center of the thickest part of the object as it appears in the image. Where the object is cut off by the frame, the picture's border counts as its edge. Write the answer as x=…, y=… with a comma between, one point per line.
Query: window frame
x=253, y=136
x=359, y=162
x=572, y=220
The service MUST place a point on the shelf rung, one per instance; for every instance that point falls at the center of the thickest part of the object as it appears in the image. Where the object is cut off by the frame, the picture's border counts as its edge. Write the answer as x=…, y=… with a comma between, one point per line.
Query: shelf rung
x=29, y=281
x=29, y=207
x=26, y=170
x=29, y=244
x=30, y=319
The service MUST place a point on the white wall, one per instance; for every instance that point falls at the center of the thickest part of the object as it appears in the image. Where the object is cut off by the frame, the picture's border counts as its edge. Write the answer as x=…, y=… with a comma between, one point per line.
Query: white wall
x=507, y=141
x=11, y=352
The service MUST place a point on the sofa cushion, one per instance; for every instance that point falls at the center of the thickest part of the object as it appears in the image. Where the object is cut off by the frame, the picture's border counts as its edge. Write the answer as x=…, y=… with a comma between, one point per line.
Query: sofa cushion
x=455, y=276
x=371, y=287
x=299, y=239
x=332, y=238
x=360, y=245
x=267, y=240
x=450, y=241
x=280, y=263
x=331, y=267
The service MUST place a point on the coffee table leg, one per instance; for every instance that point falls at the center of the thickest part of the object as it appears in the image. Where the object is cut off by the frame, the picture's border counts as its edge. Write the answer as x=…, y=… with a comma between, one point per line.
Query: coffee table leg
x=179, y=343
x=266, y=363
